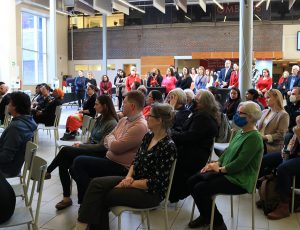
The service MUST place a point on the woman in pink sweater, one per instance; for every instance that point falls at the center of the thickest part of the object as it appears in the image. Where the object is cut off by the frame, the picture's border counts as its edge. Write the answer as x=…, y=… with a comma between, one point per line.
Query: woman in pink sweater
x=169, y=80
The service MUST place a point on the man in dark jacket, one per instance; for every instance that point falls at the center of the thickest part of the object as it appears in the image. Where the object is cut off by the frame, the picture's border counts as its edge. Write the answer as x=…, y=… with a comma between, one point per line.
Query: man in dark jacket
x=14, y=138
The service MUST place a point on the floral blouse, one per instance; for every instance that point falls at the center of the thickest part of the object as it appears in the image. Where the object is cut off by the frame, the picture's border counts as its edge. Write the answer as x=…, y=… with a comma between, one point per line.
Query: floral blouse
x=155, y=164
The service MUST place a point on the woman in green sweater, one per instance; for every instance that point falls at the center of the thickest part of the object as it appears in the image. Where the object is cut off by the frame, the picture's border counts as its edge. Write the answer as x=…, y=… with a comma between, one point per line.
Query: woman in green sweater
x=236, y=170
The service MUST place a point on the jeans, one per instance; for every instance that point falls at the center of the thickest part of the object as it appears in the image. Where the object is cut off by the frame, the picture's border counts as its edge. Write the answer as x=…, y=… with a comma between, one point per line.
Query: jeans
x=285, y=171
x=64, y=161
x=80, y=97
x=86, y=168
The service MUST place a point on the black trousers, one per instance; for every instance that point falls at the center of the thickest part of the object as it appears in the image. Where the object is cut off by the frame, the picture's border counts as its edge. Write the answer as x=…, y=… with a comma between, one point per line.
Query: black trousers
x=204, y=187
x=7, y=200
x=80, y=97
x=64, y=161
x=120, y=100
x=101, y=195
x=86, y=168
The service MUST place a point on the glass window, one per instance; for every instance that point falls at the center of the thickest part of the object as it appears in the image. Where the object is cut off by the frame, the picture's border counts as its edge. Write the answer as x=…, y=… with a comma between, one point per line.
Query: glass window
x=34, y=48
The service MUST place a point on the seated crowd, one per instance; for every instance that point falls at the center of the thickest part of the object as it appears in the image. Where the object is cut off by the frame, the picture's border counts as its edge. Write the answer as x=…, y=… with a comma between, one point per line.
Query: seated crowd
x=128, y=157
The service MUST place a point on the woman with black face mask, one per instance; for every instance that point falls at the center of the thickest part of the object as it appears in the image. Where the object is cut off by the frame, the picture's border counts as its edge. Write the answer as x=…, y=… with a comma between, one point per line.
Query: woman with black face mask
x=194, y=141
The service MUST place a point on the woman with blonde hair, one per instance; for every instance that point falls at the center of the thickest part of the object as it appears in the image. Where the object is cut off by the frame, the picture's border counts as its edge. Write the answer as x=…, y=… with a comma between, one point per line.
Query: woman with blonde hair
x=194, y=142
x=274, y=122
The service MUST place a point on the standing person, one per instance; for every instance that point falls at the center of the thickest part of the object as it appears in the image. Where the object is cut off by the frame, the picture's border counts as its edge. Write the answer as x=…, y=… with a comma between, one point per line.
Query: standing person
x=264, y=83
x=169, y=81
x=234, y=77
x=201, y=79
x=282, y=84
x=14, y=138
x=293, y=80
x=90, y=79
x=7, y=200
x=80, y=85
x=146, y=182
x=105, y=86
x=224, y=76
x=186, y=79
x=154, y=79
x=120, y=83
x=132, y=78
x=255, y=75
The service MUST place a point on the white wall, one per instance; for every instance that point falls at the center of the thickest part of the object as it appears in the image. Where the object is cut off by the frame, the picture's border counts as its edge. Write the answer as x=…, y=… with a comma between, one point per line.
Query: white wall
x=98, y=74
x=62, y=39
x=289, y=41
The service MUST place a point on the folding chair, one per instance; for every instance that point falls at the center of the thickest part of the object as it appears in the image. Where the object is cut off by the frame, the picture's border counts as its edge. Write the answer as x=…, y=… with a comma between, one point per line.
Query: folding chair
x=118, y=210
x=49, y=128
x=294, y=192
x=25, y=215
x=253, y=202
x=85, y=129
x=20, y=189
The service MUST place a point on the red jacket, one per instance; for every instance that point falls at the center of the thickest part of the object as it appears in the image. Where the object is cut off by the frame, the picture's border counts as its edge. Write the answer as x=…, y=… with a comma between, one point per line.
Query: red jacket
x=234, y=79
x=130, y=79
x=105, y=86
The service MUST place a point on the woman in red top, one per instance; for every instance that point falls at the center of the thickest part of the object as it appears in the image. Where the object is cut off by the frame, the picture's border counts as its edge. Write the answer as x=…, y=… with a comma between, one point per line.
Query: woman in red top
x=169, y=80
x=263, y=84
x=234, y=77
x=133, y=77
x=105, y=86
x=282, y=83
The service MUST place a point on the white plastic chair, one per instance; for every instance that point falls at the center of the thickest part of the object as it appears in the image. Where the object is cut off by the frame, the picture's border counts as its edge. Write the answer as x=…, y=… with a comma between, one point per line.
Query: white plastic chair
x=25, y=215
x=253, y=202
x=21, y=188
x=84, y=131
x=118, y=210
x=49, y=128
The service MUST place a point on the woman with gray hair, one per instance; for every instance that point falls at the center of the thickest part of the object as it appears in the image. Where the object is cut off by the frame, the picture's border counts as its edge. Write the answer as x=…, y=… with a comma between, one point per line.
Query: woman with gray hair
x=236, y=170
x=194, y=142
x=189, y=98
x=177, y=99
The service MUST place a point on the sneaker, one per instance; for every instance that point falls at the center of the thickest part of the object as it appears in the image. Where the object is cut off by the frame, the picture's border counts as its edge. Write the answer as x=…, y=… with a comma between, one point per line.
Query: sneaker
x=62, y=204
x=197, y=223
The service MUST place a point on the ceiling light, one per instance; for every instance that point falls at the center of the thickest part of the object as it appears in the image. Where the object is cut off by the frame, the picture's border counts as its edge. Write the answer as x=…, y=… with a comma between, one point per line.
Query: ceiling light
x=218, y=4
x=188, y=18
x=259, y=3
x=132, y=6
x=257, y=17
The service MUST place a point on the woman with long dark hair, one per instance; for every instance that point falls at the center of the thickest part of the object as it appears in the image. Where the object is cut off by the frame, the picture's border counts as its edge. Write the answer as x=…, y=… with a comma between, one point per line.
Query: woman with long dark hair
x=94, y=147
x=232, y=103
x=105, y=86
x=74, y=121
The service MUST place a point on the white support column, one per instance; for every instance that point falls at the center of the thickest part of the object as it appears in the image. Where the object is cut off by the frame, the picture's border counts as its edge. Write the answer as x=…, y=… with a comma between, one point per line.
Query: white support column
x=52, y=44
x=104, y=44
x=245, y=45
x=9, y=69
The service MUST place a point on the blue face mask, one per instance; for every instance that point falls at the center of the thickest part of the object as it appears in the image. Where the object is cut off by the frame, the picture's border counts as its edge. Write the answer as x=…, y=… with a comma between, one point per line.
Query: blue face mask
x=240, y=121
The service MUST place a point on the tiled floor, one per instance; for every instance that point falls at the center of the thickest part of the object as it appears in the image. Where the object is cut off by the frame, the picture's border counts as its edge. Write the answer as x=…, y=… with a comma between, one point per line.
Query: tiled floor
x=178, y=218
